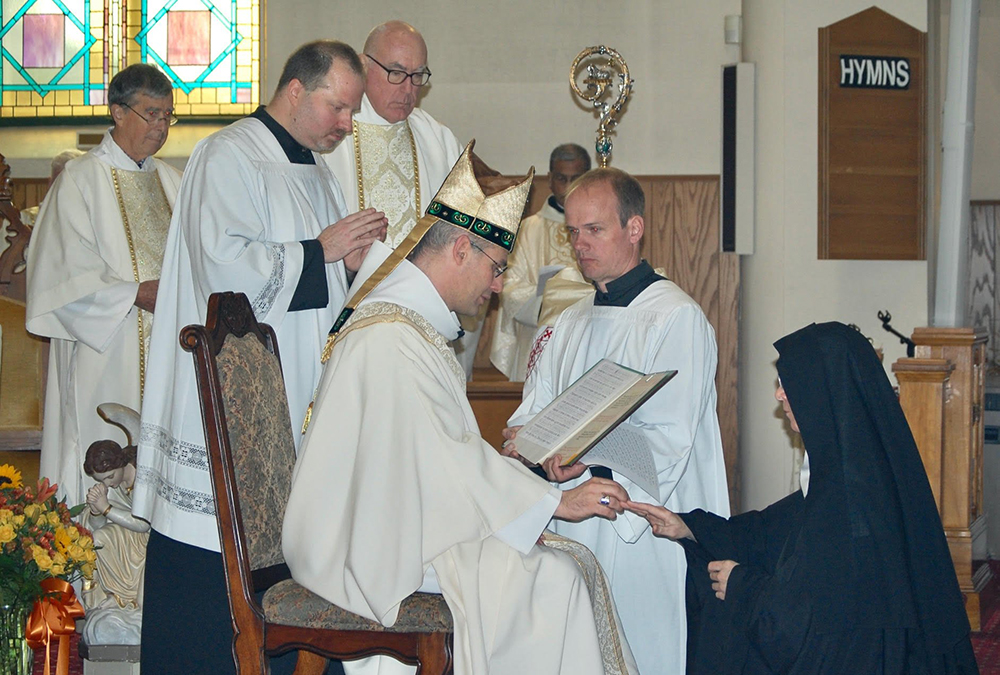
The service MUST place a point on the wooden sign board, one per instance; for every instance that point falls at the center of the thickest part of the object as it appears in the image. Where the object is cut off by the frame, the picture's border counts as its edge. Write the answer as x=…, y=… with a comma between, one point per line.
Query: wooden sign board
x=872, y=139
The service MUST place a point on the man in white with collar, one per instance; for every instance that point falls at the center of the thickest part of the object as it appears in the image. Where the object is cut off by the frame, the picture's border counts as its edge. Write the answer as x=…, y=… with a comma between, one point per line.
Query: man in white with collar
x=542, y=241
x=93, y=269
x=645, y=322
x=412, y=497
x=253, y=215
x=397, y=155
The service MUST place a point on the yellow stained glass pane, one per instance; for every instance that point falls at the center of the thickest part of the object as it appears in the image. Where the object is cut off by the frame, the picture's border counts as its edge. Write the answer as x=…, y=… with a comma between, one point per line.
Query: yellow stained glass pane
x=9, y=99
x=208, y=95
x=23, y=98
x=25, y=111
x=204, y=109
x=63, y=111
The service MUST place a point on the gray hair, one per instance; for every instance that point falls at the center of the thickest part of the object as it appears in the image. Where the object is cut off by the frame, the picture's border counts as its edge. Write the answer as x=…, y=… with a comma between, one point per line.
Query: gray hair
x=440, y=236
x=139, y=78
x=310, y=63
x=59, y=161
x=628, y=192
x=569, y=152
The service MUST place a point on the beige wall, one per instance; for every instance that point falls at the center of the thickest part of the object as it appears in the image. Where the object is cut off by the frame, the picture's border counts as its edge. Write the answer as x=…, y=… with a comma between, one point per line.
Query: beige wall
x=785, y=286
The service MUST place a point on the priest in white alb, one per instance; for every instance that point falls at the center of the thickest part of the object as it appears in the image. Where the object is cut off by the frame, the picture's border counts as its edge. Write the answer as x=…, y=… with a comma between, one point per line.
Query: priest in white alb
x=259, y=213
x=640, y=320
x=92, y=269
x=397, y=154
x=542, y=242
x=409, y=495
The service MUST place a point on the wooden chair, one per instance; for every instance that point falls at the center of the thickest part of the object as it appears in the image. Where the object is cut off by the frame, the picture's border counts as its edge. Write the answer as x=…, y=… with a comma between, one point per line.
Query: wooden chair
x=251, y=456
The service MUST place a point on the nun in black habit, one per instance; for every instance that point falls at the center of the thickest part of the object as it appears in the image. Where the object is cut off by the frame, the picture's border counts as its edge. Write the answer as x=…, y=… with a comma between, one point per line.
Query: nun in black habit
x=849, y=575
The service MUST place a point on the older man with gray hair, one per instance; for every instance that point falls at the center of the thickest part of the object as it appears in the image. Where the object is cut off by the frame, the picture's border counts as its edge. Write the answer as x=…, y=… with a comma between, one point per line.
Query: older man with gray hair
x=93, y=269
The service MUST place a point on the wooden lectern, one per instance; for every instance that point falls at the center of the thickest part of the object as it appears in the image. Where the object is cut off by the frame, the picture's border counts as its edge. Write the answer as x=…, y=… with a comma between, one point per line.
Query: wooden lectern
x=941, y=392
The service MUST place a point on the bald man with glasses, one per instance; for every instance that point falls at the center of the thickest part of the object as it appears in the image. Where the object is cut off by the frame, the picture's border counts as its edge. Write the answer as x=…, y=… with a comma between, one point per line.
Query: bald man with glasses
x=397, y=155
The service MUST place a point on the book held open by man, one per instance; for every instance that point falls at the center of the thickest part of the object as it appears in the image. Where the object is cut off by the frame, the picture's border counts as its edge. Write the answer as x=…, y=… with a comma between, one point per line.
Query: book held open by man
x=584, y=415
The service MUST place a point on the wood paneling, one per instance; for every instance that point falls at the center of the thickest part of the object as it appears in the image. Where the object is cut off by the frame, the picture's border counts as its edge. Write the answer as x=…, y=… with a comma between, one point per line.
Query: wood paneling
x=682, y=237
x=872, y=144
x=28, y=192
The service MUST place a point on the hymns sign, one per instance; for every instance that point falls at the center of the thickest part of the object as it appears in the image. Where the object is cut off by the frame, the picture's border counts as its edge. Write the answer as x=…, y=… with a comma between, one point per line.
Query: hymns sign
x=874, y=72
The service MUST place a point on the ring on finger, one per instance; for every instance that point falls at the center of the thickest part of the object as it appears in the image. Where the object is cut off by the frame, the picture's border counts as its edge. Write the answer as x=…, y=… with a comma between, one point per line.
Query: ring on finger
x=604, y=501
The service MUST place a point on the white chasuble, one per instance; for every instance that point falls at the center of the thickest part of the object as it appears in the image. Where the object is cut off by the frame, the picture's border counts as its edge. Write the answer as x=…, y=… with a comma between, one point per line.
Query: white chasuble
x=661, y=329
x=394, y=488
x=437, y=151
x=241, y=215
x=542, y=240
x=387, y=158
x=101, y=230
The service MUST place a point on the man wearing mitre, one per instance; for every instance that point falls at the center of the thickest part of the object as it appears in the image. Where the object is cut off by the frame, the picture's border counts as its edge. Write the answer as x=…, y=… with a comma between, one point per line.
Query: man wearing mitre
x=412, y=497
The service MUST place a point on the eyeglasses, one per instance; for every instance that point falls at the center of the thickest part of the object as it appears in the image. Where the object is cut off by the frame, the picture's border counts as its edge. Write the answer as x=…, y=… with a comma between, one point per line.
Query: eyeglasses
x=498, y=269
x=157, y=115
x=394, y=76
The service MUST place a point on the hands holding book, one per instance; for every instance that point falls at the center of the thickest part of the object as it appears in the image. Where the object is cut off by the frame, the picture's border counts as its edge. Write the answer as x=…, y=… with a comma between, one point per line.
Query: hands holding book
x=596, y=497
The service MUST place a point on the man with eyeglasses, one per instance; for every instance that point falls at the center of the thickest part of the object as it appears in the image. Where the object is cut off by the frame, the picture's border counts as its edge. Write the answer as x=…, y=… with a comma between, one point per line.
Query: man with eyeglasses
x=93, y=270
x=397, y=155
x=641, y=320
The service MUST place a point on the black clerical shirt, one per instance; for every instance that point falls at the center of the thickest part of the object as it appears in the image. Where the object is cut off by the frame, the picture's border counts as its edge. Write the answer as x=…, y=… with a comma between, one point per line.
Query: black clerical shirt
x=311, y=292
x=627, y=287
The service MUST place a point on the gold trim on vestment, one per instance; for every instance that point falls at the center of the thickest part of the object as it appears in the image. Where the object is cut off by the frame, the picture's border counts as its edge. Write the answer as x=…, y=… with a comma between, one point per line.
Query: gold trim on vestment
x=135, y=272
x=357, y=167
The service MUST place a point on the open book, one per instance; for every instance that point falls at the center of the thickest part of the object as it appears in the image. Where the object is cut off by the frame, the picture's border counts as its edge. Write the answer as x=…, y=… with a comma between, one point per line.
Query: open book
x=580, y=417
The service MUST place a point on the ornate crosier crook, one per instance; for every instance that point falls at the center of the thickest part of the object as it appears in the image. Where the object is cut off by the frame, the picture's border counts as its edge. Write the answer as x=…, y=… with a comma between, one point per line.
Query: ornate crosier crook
x=599, y=79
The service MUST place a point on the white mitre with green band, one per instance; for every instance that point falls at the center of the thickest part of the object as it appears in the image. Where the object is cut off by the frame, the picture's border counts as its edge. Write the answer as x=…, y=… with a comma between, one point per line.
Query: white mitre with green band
x=460, y=202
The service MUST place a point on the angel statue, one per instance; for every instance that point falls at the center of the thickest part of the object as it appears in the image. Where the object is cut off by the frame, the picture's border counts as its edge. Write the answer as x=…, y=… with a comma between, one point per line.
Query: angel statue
x=114, y=600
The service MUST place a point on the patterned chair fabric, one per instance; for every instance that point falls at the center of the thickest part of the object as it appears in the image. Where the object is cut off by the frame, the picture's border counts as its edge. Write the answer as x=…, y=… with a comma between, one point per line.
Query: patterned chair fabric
x=290, y=604
x=260, y=438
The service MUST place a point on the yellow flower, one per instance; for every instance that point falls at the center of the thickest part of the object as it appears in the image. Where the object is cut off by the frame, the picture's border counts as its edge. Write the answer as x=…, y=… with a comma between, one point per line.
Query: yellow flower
x=9, y=476
x=19, y=520
x=32, y=511
x=57, y=570
x=6, y=515
x=62, y=539
x=42, y=558
x=73, y=533
x=86, y=542
x=53, y=518
x=75, y=552
x=88, y=570
x=7, y=533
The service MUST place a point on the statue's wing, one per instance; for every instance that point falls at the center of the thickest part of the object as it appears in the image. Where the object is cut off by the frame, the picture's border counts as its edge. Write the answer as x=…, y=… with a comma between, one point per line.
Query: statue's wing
x=121, y=416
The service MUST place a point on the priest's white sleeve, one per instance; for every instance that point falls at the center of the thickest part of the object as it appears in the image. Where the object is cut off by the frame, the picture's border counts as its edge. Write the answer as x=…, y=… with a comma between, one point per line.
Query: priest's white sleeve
x=230, y=249
x=73, y=292
x=672, y=419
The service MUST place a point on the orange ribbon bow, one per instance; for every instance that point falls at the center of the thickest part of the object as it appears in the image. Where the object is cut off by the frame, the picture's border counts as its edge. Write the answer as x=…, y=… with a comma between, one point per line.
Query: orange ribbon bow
x=54, y=614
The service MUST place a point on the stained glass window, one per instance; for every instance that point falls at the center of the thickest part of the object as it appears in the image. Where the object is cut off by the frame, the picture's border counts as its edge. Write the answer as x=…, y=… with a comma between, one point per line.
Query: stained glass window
x=58, y=56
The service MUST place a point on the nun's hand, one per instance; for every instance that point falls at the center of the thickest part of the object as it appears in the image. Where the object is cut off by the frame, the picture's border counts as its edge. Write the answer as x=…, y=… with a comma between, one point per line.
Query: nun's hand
x=665, y=523
x=719, y=571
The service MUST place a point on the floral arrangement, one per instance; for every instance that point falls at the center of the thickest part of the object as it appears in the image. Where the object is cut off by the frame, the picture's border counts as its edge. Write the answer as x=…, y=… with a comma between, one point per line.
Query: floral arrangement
x=38, y=540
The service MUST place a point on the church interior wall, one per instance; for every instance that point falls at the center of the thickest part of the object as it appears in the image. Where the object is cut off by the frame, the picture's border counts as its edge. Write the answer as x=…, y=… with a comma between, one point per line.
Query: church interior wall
x=785, y=286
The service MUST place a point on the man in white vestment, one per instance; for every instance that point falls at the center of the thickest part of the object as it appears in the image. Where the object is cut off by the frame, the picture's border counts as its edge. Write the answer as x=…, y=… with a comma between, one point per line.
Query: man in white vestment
x=93, y=266
x=397, y=155
x=410, y=495
x=542, y=242
x=644, y=322
x=30, y=215
x=253, y=215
